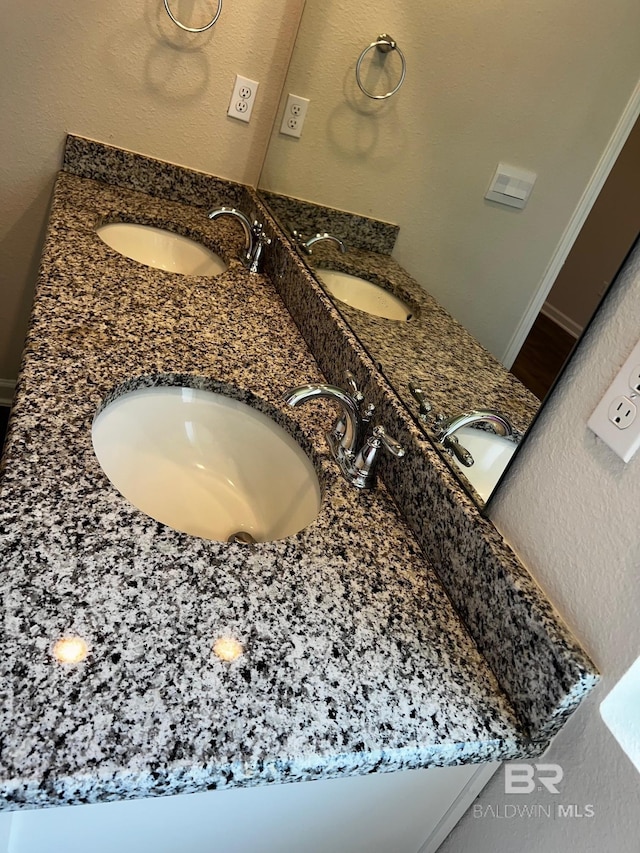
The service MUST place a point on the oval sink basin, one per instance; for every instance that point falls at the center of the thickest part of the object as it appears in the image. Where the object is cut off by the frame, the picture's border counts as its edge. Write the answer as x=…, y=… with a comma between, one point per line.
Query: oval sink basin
x=206, y=464
x=364, y=295
x=491, y=455
x=163, y=250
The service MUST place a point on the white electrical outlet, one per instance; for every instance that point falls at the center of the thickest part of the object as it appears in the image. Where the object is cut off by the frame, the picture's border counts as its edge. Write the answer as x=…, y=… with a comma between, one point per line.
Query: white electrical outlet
x=615, y=419
x=622, y=412
x=242, y=98
x=294, y=115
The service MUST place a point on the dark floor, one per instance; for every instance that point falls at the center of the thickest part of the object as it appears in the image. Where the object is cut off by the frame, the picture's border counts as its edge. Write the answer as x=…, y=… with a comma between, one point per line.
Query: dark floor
x=542, y=355
x=4, y=417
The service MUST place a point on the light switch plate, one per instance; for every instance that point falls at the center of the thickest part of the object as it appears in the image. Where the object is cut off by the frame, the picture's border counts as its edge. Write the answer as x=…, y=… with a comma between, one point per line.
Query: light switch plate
x=511, y=186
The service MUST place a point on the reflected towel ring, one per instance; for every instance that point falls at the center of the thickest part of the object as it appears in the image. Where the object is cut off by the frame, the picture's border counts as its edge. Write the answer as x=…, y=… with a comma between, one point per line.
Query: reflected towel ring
x=193, y=29
x=385, y=44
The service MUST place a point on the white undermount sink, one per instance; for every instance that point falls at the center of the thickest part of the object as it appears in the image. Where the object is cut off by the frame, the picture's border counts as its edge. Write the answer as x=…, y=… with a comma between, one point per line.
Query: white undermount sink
x=363, y=295
x=161, y=249
x=206, y=464
x=491, y=455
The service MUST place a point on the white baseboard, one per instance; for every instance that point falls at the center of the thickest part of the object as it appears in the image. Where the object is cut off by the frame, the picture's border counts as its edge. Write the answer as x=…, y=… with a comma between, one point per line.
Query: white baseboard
x=460, y=806
x=6, y=821
x=560, y=319
x=7, y=387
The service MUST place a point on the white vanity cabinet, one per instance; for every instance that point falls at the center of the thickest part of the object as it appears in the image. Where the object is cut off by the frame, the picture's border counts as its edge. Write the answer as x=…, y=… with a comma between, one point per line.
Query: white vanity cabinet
x=406, y=812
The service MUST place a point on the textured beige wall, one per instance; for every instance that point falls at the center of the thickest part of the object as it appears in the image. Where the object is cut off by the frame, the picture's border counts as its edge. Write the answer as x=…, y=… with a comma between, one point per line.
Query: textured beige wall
x=122, y=73
x=538, y=84
x=570, y=510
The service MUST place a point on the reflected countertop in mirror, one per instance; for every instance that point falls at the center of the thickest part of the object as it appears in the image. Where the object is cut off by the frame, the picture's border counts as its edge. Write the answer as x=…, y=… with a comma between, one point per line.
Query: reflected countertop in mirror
x=428, y=347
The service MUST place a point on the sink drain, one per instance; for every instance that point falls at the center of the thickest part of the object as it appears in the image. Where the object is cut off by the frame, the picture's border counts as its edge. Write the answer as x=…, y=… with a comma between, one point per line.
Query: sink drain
x=242, y=538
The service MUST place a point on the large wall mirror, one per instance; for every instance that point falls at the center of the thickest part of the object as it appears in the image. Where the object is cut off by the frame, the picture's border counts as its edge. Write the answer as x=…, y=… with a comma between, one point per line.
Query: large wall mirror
x=540, y=86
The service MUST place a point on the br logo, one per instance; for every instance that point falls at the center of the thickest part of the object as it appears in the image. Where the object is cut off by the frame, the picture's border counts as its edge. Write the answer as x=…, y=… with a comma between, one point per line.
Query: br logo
x=526, y=778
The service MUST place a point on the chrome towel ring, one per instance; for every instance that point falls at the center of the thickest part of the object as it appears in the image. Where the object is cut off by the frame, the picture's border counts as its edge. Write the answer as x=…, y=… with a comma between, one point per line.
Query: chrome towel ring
x=193, y=29
x=384, y=43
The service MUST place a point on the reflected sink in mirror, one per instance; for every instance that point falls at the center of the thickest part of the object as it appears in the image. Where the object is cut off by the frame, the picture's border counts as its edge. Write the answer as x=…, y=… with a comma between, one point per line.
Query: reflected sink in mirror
x=491, y=455
x=206, y=464
x=161, y=249
x=363, y=294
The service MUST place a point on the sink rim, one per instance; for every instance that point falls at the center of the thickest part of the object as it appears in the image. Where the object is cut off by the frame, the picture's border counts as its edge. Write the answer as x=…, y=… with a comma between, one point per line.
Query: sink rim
x=173, y=229
x=278, y=416
x=396, y=294
x=488, y=437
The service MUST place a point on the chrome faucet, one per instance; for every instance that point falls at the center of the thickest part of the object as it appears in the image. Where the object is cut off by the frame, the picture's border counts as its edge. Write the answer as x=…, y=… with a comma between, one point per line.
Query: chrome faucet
x=355, y=454
x=445, y=429
x=306, y=245
x=255, y=238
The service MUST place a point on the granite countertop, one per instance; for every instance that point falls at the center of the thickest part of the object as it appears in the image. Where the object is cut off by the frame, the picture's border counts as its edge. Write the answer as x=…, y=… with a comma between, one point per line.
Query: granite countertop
x=354, y=658
x=431, y=347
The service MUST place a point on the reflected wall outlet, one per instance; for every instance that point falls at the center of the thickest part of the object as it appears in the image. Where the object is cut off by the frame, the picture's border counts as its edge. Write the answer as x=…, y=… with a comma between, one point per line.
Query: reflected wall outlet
x=294, y=115
x=634, y=379
x=242, y=98
x=615, y=419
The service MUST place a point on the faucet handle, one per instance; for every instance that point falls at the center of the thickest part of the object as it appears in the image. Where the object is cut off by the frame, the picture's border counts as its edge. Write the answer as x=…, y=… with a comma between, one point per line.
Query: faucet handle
x=458, y=450
x=258, y=230
x=358, y=396
x=424, y=406
x=340, y=426
x=364, y=465
x=439, y=421
x=356, y=393
x=259, y=241
x=380, y=435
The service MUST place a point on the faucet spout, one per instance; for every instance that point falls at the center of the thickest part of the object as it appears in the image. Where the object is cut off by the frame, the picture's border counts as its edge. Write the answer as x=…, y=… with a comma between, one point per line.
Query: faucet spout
x=501, y=424
x=242, y=219
x=306, y=245
x=254, y=237
x=355, y=454
x=445, y=429
x=351, y=439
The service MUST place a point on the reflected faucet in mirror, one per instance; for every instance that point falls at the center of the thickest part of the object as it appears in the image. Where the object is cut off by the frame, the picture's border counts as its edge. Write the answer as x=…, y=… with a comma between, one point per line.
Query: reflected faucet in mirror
x=482, y=455
x=445, y=430
x=307, y=245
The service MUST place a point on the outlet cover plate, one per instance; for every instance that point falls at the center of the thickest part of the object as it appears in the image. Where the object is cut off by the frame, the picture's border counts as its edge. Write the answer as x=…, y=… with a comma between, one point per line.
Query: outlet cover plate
x=619, y=430
x=294, y=115
x=243, y=98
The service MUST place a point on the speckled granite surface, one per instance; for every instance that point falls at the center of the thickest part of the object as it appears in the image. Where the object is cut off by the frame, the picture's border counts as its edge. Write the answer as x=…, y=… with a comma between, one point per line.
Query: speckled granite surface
x=431, y=347
x=536, y=659
x=356, y=231
x=88, y=159
x=355, y=659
